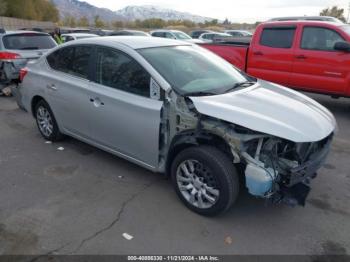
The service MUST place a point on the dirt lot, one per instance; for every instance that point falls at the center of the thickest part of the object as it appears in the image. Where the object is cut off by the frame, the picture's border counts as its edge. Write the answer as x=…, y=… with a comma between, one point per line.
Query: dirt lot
x=81, y=200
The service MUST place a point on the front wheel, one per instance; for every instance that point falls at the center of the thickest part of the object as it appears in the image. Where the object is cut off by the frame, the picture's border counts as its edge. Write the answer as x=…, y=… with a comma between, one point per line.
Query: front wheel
x=205, y=180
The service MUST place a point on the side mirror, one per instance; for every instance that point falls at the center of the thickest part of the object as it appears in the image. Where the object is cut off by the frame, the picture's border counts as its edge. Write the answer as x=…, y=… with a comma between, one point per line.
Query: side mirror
x=342, y=46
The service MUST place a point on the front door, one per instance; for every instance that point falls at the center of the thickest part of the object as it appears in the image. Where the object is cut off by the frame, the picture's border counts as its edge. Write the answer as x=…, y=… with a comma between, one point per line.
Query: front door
x=126, y=119
x=317, y=66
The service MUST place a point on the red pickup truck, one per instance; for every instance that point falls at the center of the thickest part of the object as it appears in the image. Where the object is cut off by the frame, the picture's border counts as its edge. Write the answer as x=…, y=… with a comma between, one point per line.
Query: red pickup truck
x=306, y=55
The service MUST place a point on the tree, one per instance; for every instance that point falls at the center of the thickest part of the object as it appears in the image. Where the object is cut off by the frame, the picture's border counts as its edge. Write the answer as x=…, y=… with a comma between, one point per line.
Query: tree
x=226, y=22
x=98, y=22
x=42, y=10
x=334, y=12
x=3, y=7
x=69, y=21
x=83, y=22
x=117, y=24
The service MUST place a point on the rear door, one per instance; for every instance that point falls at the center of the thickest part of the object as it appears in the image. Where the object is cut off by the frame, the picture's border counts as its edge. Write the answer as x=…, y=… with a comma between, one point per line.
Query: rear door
x=67, y=87
x=317, y=66
x=271, y=56
x=125, y=119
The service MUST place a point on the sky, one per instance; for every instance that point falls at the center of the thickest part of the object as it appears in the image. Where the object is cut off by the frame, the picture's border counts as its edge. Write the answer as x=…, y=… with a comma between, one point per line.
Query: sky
x=235, y=10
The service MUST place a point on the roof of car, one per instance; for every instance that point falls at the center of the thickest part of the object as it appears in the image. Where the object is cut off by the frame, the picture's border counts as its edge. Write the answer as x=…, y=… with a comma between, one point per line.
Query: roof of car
x=215, y=33
x=307, y=18
x=80, y=34
x=166, y=30
x=134, y=42
x=305, y=22
x=23, y=32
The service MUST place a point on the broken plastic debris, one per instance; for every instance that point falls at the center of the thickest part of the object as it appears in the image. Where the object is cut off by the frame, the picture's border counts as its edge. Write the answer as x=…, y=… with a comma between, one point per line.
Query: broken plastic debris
x=228, y=240
x=48, y=142
x=60, y=148
x=127, y=236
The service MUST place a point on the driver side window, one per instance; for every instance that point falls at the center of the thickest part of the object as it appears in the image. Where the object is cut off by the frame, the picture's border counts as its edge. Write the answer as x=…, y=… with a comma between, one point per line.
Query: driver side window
x=319, y=38
x=117, y=70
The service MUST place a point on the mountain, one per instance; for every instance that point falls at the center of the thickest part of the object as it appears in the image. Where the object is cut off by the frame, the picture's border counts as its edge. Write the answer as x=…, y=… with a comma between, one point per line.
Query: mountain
x=79, y=9
x=150, y=11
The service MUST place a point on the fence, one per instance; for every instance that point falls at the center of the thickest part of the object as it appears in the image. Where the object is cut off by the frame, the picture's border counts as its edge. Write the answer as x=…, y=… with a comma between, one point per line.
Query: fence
x=9, y=23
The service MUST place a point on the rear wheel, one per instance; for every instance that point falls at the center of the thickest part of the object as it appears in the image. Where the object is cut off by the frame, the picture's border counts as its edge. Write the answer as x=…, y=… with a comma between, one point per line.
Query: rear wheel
x=205, y=180
x=46, y=122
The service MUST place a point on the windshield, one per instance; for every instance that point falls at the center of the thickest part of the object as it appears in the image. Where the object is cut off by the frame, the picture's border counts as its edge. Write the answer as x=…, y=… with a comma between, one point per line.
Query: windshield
x=28, y=41
x=180, y=35
x=192, y=69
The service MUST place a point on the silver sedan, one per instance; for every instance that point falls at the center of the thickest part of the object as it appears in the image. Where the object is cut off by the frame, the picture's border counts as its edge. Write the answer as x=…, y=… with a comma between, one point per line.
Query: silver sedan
x=176, y=108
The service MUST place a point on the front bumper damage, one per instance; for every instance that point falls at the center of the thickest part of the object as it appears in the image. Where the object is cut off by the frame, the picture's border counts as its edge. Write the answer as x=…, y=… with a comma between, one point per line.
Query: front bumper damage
x=289, y=184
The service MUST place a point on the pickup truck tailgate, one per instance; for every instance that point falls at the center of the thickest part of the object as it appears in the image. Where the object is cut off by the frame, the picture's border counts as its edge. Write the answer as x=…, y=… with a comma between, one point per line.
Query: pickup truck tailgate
x=234, y=54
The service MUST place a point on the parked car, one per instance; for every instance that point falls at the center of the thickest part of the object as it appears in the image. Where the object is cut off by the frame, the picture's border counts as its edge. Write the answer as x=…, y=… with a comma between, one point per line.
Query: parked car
x=306, y=55
x=16, y=49
x=69, y=30
x=101, y=32
x=76, y=36
x=178, y=109
x=239, y=33
x=129, y=33
x=174, y=34
x=197, y=33
x=213, y=37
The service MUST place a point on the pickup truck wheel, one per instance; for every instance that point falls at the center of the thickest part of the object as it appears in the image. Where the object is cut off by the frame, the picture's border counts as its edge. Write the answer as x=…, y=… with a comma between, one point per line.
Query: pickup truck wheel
x=205, y=179
x=46, y=122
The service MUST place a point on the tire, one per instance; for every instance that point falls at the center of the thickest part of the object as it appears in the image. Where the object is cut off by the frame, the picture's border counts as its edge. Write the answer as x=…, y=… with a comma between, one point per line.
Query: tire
x=42, y=111
x=212, y=179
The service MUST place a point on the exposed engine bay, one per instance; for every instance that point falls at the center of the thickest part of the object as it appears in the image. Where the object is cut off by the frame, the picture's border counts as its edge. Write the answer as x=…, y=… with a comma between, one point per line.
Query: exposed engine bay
x=274, y=168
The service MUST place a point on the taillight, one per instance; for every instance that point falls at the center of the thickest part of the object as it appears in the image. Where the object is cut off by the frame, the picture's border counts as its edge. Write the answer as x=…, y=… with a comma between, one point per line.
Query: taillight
x=22, y=73
x=8, y=56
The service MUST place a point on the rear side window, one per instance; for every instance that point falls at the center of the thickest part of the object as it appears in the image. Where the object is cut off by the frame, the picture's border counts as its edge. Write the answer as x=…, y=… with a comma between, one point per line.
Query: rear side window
x=28, y=41
x=71, y=60
x=277, y=37
x=119, y=71
x=319, y=38
x=158, y=34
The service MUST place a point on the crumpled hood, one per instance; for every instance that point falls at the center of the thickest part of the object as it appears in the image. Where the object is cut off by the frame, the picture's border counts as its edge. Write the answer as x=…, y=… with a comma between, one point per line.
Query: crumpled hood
x=271, y=109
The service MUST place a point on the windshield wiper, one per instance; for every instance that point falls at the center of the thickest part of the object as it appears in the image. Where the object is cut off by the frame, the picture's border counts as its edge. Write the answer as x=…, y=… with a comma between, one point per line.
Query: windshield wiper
x=241, y=84
x=200, y=93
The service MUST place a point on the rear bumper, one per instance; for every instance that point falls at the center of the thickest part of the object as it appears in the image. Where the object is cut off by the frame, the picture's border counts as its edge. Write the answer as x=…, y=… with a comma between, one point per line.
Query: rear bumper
x=8, y=73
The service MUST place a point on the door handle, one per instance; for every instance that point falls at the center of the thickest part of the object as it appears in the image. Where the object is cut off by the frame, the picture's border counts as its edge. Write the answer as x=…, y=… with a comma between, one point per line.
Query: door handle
x=300, y=57
x=51, y=87
x=97, y=102
x=258, y=53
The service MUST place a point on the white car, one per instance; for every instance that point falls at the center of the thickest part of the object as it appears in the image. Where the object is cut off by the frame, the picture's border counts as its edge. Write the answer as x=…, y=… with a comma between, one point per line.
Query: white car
x=76, y=36
x=211, y=37
x=175, y=34
x=239, y=33
x=178, y=109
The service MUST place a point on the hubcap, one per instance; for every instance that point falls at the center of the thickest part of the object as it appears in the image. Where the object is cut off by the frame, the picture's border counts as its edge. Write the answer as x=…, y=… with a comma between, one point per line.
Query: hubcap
x=197, y=184
x=44, y=120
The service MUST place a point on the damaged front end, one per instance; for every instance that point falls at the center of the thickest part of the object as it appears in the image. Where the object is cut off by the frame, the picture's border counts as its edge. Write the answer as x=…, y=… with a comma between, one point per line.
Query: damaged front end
x=274, y=168
x=281, y=170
